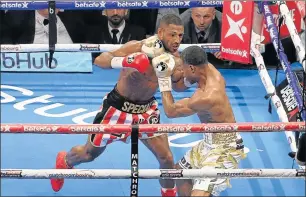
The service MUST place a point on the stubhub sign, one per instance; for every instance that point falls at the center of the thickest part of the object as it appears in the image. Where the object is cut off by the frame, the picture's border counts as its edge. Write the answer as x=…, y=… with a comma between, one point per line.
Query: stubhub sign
x=39, y=62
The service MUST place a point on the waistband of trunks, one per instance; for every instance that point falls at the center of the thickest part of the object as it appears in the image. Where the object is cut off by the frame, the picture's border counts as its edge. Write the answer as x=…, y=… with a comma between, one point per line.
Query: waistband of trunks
x=121, y=103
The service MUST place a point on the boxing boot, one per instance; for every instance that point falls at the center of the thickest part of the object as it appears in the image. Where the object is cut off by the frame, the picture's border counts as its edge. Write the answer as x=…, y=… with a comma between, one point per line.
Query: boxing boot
x=57, y=184
x=168, y=192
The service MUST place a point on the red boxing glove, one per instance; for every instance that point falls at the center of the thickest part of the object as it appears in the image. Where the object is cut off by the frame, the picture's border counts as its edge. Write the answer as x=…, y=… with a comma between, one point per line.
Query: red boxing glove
x=138, y=61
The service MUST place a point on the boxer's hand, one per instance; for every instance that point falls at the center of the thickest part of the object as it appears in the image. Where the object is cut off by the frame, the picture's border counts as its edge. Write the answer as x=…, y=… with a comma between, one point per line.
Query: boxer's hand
x=163, y=66
x=138, y=61
x=153, y=47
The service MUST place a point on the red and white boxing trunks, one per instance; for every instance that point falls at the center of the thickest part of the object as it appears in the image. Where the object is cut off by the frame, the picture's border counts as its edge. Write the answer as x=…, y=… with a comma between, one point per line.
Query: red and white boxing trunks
x=118, y=110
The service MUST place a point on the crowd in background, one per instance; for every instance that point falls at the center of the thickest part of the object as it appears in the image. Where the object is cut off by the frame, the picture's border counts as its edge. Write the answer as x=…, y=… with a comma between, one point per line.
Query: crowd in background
x=118, y=26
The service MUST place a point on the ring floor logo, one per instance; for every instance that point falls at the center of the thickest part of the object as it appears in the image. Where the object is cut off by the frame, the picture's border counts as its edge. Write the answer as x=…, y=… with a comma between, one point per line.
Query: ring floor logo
x=78, y=116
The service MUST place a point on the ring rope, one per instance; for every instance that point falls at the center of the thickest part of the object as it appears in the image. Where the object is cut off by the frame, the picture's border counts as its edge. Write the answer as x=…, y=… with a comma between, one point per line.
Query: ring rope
x=156, y=128
x=150, y=173
x=293, y=32
x=267, y=82
x=108, y=4
x=210, y=47
x=264, y=8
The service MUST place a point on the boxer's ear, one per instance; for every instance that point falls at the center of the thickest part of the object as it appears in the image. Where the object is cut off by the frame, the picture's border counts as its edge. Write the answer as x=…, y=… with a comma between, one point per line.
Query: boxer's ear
x=192, y=68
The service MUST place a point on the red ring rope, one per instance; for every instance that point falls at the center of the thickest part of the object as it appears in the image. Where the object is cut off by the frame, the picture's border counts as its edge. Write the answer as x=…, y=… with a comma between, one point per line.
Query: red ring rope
x=158, y=128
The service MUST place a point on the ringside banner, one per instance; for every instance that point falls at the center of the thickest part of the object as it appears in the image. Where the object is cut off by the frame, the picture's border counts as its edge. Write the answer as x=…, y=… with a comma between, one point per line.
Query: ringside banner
x=38, y=62
x=236, y=31
x=284, y=33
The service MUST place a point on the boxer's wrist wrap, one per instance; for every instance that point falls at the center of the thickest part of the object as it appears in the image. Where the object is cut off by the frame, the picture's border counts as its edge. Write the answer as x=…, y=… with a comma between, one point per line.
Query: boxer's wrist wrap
x=165, y=84
x=116, y=62
x=187, y=83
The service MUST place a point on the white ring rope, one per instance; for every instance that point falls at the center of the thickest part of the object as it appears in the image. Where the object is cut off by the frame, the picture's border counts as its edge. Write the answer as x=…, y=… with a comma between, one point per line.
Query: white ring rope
x=293, y=32
x=267, y=82
x=150, y=173
x=211, y=47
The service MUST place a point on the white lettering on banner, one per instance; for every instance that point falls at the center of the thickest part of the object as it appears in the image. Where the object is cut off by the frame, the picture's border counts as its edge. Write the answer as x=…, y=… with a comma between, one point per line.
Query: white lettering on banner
x=288, y=98
x=174, y=129
x=124, y=4
x=238, y=52
x=89, y=4
x=174, y=3
x=87, y=129
x=8, y=5
x=211, y=3
x=269, y=21
x=38, y=129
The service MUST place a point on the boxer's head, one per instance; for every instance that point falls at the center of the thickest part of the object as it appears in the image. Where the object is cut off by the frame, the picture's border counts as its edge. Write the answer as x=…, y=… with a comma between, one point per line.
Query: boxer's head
x=116, y=16
x=170, y=32
x=202, y=17
x=194, y=61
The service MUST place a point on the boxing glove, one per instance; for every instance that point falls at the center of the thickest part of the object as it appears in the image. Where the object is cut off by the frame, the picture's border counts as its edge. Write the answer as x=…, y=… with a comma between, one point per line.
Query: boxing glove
x=153, y=47
x=138, y=61
x=163, y=66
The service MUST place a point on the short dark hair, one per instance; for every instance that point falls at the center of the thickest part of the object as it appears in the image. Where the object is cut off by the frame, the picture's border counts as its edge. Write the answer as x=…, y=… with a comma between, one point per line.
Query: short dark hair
x=171, y=19
x=194, y=55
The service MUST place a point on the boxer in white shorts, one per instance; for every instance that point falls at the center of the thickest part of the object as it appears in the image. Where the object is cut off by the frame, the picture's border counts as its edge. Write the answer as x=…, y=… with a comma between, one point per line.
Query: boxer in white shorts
x=211, y=104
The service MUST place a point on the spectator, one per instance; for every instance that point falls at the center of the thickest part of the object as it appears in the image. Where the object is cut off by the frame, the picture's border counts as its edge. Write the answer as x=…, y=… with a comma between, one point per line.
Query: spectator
x=202, y=25
x=114, y=29
x=145, y=18
x=27, y=27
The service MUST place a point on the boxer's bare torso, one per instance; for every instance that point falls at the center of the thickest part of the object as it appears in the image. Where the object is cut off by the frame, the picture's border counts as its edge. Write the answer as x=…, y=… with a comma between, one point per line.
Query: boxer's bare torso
x=217, y=106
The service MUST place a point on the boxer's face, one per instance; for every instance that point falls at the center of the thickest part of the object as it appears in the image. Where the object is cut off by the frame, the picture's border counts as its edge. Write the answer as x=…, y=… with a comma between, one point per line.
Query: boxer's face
x=116, y=16
x=171, y=36
x=190, y=73
x=203, y=17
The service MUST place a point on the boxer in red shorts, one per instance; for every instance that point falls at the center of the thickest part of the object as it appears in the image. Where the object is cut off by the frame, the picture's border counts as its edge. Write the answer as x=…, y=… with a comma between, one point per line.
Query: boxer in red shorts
x=132, y=100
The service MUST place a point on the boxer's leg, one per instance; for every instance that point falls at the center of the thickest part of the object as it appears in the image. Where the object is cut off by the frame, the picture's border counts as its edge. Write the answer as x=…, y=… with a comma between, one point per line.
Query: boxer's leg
x=159, y=146
x=83, y=153
x=184, y=187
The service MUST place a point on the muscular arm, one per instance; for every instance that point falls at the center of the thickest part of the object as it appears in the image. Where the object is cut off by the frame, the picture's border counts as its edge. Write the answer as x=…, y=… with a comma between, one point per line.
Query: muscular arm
x=104, y=59
x=175, y=109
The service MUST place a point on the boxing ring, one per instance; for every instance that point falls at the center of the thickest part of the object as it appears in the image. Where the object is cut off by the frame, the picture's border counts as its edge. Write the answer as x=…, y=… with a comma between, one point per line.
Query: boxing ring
x=265, y=172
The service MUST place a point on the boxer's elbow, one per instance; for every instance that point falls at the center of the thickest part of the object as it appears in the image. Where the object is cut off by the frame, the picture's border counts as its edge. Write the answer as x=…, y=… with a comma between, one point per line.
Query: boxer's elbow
x=171, y=112
x=104, y=60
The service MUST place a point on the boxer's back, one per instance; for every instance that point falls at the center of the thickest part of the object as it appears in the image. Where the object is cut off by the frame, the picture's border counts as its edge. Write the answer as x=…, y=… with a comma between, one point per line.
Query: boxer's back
x=220, y=110
x=136, y=86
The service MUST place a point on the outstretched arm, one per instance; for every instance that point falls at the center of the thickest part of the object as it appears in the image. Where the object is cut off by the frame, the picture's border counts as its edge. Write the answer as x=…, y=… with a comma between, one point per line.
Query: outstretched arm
x=175, y=109
x=104, y=60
